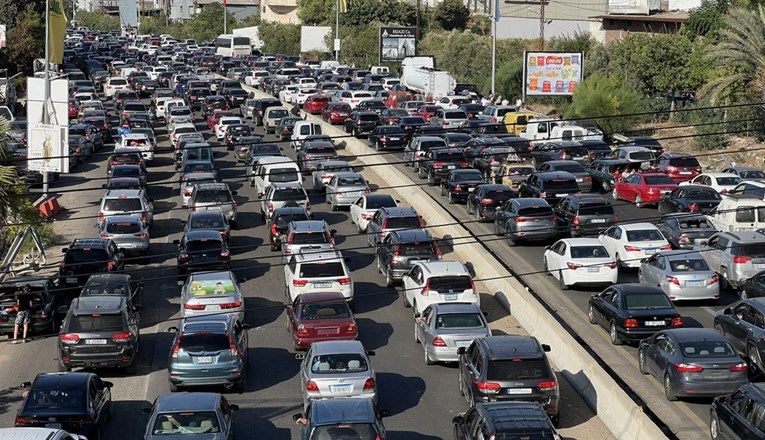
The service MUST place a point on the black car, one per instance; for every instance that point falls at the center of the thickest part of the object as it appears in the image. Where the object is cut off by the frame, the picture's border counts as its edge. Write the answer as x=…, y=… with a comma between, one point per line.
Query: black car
x=585, y=214
x=197, y=97
x=436, y=163
x=596, y=149
x=631, y=312
x=99, y=332
x=508, y=368
x=114, y=284
x=145, y=87
x=79, y=403
x=743, y=325
x=476, y=146
x=489, y=161
x=483, y=202
x=410, y=124
x=242, y=146
x=286, y=126
x=561, y=150
x=235, y=97
x=87, y=256
x=685, y=230
x=455, y=139
x=458, y=184
x=212, y=103
x=372, y=105
x=124, y=183
x=549, y=185
x=234, y=132
x=202, y=249
x=690, y=198
x=513, y=419
x=385, y=137
x=137, y=171
x=45, y=297
x=259, y=110
x=733, y=416
x=208, y=221
x=361, y=123
x=280, y=221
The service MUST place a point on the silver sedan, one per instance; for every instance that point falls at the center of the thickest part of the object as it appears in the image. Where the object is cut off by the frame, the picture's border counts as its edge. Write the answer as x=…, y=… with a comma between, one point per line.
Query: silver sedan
x=681, y=274
x=345, y=188
x=333, y=369
x=206, y=293
x=443, y=328
x=187, y=186
x=326, y=170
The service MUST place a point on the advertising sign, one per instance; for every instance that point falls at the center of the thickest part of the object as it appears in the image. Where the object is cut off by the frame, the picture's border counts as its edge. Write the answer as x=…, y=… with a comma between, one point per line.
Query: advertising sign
x=397, y=43
x=551, y=73
x=47, y=148
x=223, y=286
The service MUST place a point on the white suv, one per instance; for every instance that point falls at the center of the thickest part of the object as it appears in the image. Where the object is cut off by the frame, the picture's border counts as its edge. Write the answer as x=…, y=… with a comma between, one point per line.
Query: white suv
x=312, y=272
x=220, y=129
x=430, y=282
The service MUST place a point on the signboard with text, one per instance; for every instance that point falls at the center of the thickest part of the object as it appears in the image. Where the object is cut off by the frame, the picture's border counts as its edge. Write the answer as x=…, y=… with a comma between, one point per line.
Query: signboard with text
x=397, y=43
x=47, y=148
x=551, y=73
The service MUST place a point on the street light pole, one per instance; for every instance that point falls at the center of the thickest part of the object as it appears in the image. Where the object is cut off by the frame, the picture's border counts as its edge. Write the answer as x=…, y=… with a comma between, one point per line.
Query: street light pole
x=46, y=95
x=494, y=20
x=337, y=31
x=225, y=16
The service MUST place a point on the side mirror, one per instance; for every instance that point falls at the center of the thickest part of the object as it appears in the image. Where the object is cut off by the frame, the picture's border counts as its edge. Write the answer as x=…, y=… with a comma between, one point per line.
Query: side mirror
x=332, y=232
x=180, y=283
x=461, y=351
x=108, y=384
x=300, y=356
x=546, y=348
x=297, y=416
x=370, y=353
x=172, y=329
x=485, y=314
x=260, y=195
x=241, y=280
x=25, y=385
x=547, y=248
x=64, y=250
x=726, y=311
x=176, y=242
x=234, y=193
x=246, y=326
x=138, y=307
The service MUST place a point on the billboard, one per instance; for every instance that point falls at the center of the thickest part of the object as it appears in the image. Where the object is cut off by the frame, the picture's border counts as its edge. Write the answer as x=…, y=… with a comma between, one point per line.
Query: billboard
x=47, y=147
x=58, y=106
x=551, y=73
x=397, y=43
x=129, y=13
x=313, y=38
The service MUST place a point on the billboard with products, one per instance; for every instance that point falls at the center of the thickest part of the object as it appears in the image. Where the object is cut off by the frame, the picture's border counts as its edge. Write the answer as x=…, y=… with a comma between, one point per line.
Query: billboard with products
x=551, y=73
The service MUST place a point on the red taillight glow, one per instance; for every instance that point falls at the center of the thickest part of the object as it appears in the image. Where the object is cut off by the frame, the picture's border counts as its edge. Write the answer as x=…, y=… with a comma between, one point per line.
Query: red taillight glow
x=630, y=323
x=487, y=387
x=673, y=280
x=547, y=385
x=70, y=338
x=714, y=279
x=299, y=283
x=344, y=281
x=231, y=305
x=194, y=306
x=677, y=322
x=573, y=266
x=739, y=368
x=486, y=202
x=121, y=337
x=632, y=249
x=369, y=385
x=741, y=259
x=688, y=368
x=438, y=342
x=311, y=386
x=23, y=421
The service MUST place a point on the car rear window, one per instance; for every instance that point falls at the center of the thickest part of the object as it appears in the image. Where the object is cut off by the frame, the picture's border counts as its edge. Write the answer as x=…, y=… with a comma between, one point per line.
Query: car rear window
x=688, y=265
x=641, y=155
x=696, y=223
x=451, y=157
x=706, y=348
x=728, y=180
x=205, y=245
x=351, y=181
x=536, y=211
x=647, y=301
x=455, y=283
x=658, y=180
x=75, y=256
x=126, y=172
x=644, y=235
x=753, y=174
x=325, y=310
x=499, y=195
x=560, y=184
x=684, y=162
x=321, y=270
x=704, y=193
x=289, y=194
x=319, y=149
x=455, y=115
x=123, y=228
x=95, y=322
x=369, y=118
x=126, y=158
x=599, y=209
x=117, y=82
x=510, y=369
x=308, y=238
x=338, y=363
x=459, y=321
x=754, y=250
x=57, y=395
x=213, y=196
x=283, y=175
x=416, y=249
x=589, y=252
x=207, y=221
x=198, y=342
x=122, y=205
x=279, y=113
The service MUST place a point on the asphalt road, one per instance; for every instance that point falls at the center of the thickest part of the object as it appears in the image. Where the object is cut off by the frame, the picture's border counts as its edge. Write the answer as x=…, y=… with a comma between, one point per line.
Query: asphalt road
x=422, y=399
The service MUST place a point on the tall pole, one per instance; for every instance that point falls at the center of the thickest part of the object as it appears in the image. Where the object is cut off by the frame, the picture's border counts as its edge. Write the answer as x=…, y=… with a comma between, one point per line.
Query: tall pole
x=541, y=24
x=225, y=16
x=337, y=30
x=418, y=36
x=494, y=20
x=46, y=82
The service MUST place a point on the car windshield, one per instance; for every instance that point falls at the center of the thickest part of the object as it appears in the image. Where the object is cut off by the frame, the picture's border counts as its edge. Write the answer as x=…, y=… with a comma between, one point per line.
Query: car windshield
x=688, y=265
x=589, y=252
x=647, y=301
x=514, y=369
x=453, y=283
x=186, y=423
x=95, y=322
x=56, y=395
x=213, y=196
x=123, y=228
x=460, y=321
x=350, y=431
x=122, y=205
x=283, y=175
x=117, y=288
x=706, y=348
x=321, y=270
x=325, y=310
x=203, y=245
x=644, y=235
x=338, y=363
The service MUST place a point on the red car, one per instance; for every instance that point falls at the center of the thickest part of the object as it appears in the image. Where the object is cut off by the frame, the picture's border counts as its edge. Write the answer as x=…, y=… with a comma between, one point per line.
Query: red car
x=314, y=104
x=426, y=111
x=643, y=188
x=679, y=167
x=212, y=121
x=73, y=109
x=336, y=113
x=316, y=317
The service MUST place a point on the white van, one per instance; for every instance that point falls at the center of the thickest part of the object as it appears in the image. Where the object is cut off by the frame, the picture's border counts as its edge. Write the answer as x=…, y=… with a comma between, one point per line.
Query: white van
x=574, y=133
x=302, y=130
x=538, y=131
x=274, y=169
x=738, y=212
x=379, y=70
x=113, y=84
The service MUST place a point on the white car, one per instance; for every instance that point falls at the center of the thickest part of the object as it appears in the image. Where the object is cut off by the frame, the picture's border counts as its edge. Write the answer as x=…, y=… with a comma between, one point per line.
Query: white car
x=285, y=94
x=139, y=141
x=720, y=182
x=365, y=207
x=302, y=95
x=580, y=261
x=180, y=129
x=630, y=243
x=312, y=271
x=453, y=101
x=255, y=78
x=220, y=128
x=429, y=282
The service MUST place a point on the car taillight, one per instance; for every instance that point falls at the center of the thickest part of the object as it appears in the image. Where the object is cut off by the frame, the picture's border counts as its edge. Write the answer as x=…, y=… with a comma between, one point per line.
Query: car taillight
x=741, y=259
x=487, y=387
x=575, y=220
x=69, y=338
x=714, y=279
x=486, y=202
x=677, y=321
x=438, y=342
x=632, y=248
x=273, y=229
x=302, y=330
x=458, y=189
x=24, y=421
x=438, y=165
x=587, y=179
x=176, y=348
x=299, y=283
x=521, y=219
x=344, y=281
x=183, y=256
x=311, y=386
x=194, y=306
x=688, y=368
x=110, y=265
x=739, y=368
x=121, y=337
x=225, y=254
x=547, y=385
x=104, y=235
x=187, y=192
x=673, y=280
x=611, y=265
x=666, y=247
x=350, y=329
x=573, y=266
x=630, y=323
x=683, y=238
x=369, y=385
x=693, y=207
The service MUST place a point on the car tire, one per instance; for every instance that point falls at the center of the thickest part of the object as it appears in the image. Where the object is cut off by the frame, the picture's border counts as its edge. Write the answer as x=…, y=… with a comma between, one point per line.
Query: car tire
x=669, y=391
x=614, y=335
x=420, y=173
x=431, y=179
x=510, y=240
x=467, y=208
x=416, y=338
x=450, y=198
x=407, y=304
x=389, y=281
x=591, y=315
x=546, y=267
x=561, y=282
x=427, y=358
x=615, y=194
x=639, y=201
x=443, y=191
x=724, y=283
x=714, y=427
x=641, y=362
x=619, y=263
x=555, y=419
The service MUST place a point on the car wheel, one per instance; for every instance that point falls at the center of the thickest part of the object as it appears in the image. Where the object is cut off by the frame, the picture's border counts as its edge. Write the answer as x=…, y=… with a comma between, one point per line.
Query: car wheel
x=427, y=358
x=468, y=208
x=443, y=191
x=359, y=228
x=561, y=282
x=431, y=179
x=641, y=362
x=406, y=302
x=546, y=267
x=724, y=283
x=555, y=419
x=669, y=391
x=743, y=294
x=639, y=201
x=420, y=173
x=591, y=314
x=614, y=336
x=619, y=262
x=510, y=240
x=450, y=198
x=389, y=281
x=615, y=194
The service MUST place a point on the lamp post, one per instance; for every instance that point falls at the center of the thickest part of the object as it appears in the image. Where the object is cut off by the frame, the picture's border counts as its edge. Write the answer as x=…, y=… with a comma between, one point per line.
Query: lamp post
x=494, y=21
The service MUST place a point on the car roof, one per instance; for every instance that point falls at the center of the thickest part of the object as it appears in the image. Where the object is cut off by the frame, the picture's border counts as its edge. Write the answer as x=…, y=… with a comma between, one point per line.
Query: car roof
x=689, y=334
x=332, y=411
x=413, y=235
x=511, y=346
x=90, y=304
x=399, y=211
x=525, y=202
x=681, y=254
x=514, y=417
x=123, y=219
x=224, y=274
x=196, y=401
x=121, y=277
x=637, y=226
x=308, y=225
x=335, y=347
x=219, y=320
x=318, y=297
x=439, y=268
x=320, y=255
x=719, y=174
x=636, y=289
x=745, y=235
x=123, y=193
x=69, y=378
x=582, y=241
x=446, y=308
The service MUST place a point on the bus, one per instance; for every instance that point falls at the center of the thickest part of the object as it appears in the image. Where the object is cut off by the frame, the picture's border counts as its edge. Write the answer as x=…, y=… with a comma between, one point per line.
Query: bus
x=231, y=46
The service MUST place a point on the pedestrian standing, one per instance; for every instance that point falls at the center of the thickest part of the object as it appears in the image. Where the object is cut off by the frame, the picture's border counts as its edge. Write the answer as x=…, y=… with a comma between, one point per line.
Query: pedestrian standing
x=518, y=104
x=505, y=102
x=22, y=308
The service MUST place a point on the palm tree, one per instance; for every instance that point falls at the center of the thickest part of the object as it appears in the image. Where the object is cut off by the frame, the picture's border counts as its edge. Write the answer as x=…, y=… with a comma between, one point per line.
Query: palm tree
x=12, y=210
x=740, y=54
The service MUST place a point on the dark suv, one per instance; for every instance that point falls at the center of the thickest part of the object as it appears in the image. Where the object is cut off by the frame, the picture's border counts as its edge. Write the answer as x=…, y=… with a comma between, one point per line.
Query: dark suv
x=400, y=249
x=508, y=367
x=585, y=214
x=392, y=219
x=88, y=256
x=504, y=420
x=99, y=331
x=679, y=167
x=733, y=416
x=549, y=185
x=45, y=297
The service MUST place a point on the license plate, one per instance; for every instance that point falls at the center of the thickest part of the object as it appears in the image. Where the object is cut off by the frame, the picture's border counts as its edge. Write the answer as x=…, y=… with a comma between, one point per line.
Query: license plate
x=213, y=307
x=204, y=359
x=345, y=388
x=395, y=139
x=519, y=391
x=451, y=167
x=649, y=251
x=322, y=285
x=462, y=343
x=654, y=323
x=685, y=172
x=71, y=279
x=598, y=220
x=471, y=189
x=579, y=180
x=694, y=283
x=593, y=269
x=759, y=266
x=95, y=342
x=561, y=195
x=451, y=297
x=53, y=425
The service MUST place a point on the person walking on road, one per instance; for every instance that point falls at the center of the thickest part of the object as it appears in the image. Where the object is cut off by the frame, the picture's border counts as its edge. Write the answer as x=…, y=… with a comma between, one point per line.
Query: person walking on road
x=22, y=308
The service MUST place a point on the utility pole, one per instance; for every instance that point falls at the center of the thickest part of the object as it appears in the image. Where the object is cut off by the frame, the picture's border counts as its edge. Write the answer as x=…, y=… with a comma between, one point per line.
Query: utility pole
x=494, y=20
x=419, y=34
x=337, y=31
x=46, y=95
x=225, y=16
x=541, y=24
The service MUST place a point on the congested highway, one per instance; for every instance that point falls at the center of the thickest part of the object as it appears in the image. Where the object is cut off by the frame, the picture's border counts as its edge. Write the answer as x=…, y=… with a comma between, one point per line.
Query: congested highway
x=422, y=399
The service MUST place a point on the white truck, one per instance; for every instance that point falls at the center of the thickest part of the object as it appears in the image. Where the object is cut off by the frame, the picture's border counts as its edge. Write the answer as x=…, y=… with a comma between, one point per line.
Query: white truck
x=253, y=33
x=539, y=131
x=419, y=75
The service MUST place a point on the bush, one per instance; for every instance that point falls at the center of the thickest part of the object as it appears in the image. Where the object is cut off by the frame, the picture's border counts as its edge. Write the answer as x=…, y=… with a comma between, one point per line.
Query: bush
x=609, y=101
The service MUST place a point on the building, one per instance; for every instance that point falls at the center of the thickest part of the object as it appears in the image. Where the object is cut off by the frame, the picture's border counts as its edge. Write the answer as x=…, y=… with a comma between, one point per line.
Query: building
x=240, y=9
x=614, y=27
x=279, y=11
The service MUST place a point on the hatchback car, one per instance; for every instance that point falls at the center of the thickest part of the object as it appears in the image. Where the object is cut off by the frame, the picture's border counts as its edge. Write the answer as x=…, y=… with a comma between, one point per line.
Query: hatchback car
x=212, y=293
x=341, y=418
x=580, y=261
x=87, y=256
x=386, y=220
x=504, y=420
x=337, y=369
x=585, y=214
x=345, y=188
x=209, y=350
x=45, y=298
x=207, y=220
x=681, y=274
x=443, y=328
x=643, y=188
x=202, y=249
x=128, y=232
x=198, y=415
x=430, y=282
x=401, y=249
x=280, y=195
x=387, y=137
x=312, y=272
x=308, y=235
x=457, y=185
x=323, y=316
x=525, y=219
x=313, y=152
x=127, y=202
x=549, y=185
x=685, y=230
x=679, y=167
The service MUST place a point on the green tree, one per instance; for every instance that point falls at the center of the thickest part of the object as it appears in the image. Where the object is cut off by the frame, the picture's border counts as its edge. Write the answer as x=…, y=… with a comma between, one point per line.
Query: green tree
x=98, y=21
x=509, y=79
x=603, y=98
x=26, y=41
x=451, y=14
x=316, y=12
x=280, y=38
x=206, y=25
x=706, y=20
x=359, y=45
